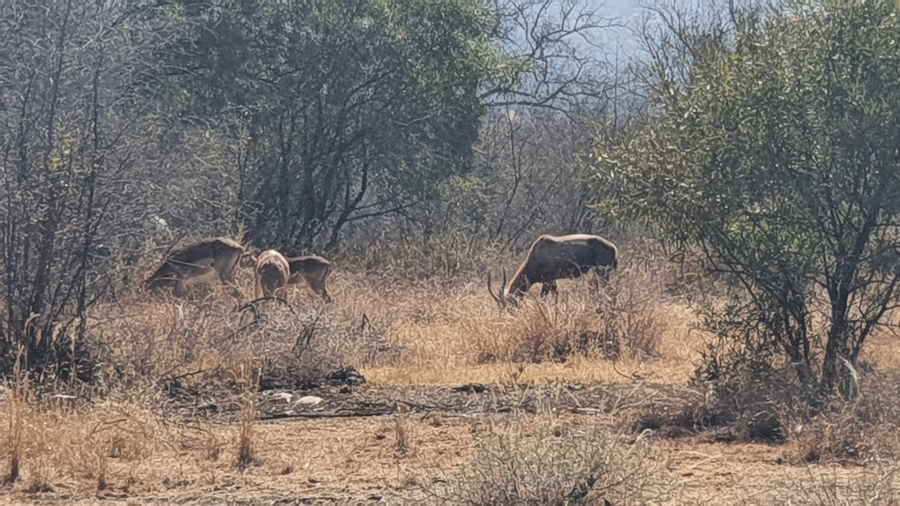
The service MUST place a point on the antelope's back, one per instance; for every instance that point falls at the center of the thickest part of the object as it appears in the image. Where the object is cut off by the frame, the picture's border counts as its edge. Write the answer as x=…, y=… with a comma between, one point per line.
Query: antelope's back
x=210, y=247
x=309, y=264
x=577, y=249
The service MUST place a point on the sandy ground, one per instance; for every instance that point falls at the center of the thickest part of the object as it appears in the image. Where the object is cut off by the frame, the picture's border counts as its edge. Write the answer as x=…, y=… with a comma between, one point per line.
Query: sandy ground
x=414, y=454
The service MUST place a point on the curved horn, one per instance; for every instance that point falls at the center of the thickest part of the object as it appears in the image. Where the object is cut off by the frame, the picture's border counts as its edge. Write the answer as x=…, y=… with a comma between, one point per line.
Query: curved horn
x=491, y=290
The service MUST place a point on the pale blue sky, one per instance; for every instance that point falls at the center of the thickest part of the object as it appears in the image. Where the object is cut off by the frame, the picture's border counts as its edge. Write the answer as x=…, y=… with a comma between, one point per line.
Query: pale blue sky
x=621, y=7
x=630, y=12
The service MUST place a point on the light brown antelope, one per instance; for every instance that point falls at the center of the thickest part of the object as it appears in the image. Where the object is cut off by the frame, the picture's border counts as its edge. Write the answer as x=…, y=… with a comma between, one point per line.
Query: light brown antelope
x=557, y=257
x=196, y=263
x=315, y=270
x=272, y=273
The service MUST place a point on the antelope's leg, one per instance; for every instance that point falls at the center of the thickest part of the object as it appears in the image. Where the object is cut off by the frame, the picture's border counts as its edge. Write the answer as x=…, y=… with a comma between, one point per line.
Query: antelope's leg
x=226, y=276
x=549, y=287
x=180, y=288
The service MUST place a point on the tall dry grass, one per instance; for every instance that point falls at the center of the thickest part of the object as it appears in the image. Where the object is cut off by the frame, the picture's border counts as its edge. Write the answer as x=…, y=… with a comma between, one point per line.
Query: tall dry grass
x=16, y=402
x=64, y=442
x=863, y=429
x=626, y=319
x=397, y=329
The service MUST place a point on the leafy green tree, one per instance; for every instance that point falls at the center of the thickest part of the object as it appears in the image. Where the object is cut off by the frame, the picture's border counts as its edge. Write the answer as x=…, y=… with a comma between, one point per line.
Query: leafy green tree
x=780, y=158
x=344, y=110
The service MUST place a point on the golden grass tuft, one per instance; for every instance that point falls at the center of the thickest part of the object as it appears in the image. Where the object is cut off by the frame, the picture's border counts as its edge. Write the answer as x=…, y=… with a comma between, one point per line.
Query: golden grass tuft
x=622, y=321
x=441, y=331
x=250, y=385
x=245, y=454
x=865, y=428
x=403, y=433
x=545, y=461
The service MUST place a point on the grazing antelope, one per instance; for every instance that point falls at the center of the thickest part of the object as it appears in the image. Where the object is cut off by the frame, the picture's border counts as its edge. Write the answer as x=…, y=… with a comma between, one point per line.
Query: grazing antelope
x=315, y=270
x=551, y=258
x=272, y=272
x=196, y=263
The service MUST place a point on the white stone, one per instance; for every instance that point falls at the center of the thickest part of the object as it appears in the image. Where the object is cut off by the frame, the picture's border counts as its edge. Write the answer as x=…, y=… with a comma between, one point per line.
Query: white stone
x=310, y=400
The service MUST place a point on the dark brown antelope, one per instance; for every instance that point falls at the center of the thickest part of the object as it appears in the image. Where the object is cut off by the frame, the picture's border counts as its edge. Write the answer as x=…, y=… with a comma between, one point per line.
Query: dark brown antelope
x=315, y=270
x=551, y=258
x=272, y=273
x=196, y=263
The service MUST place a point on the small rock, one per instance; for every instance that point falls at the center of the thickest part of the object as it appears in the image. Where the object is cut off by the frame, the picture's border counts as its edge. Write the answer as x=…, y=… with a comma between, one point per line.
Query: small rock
x=310, y=400
x=283, y=395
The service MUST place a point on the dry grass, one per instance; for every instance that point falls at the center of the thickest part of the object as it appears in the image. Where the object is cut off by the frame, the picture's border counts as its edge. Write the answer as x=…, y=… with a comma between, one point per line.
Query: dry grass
x=16, y=403
x=65, y=443
x=550, y=461
x=433, y=330
x=401, y=331
x=864, y=429
x=457, y=334
x=245, y=454
x=872, y=485
x=403, y=433
x=123, y=440
x=145, y=456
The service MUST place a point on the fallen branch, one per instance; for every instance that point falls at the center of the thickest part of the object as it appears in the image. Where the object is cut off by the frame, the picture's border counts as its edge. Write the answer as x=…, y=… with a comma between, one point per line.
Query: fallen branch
x=252, y=305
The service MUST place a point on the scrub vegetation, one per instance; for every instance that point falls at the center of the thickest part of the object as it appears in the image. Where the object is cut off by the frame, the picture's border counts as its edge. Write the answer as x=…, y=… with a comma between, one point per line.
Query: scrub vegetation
x=740, y=349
